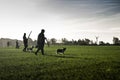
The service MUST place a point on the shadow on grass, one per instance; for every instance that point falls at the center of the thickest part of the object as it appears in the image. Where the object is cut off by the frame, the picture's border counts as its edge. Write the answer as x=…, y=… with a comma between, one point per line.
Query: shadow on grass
x=62, y=56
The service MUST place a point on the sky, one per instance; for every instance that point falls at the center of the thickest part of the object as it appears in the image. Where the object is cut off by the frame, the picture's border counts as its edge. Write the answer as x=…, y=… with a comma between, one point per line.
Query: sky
x=71, y=19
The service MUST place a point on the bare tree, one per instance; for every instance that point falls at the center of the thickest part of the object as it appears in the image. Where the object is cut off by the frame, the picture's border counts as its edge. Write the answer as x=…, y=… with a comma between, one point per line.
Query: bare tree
x=116, y=41
x=53, y=40
x=96, y=39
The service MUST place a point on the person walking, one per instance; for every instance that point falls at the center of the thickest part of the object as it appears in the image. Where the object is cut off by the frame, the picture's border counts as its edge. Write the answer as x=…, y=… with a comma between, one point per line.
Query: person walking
x=25, y=42
x=40, y=42
x=17, y=44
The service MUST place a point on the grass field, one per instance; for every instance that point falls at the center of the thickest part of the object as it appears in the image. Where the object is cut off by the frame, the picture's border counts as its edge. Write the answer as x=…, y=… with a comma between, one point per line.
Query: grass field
x=78, y=63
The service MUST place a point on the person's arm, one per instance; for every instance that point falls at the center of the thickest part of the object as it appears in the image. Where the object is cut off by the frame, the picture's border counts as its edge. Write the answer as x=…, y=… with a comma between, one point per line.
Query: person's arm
x=46, y=40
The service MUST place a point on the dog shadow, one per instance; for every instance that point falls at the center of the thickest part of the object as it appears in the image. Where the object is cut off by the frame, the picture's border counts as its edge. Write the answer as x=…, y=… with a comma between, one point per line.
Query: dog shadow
x=62, y=56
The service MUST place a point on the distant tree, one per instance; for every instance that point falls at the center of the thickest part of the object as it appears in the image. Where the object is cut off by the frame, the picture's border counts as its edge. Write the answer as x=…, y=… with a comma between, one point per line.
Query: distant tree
x=64, y=40
x=96, y=42
x=108, y=44
x=101, y=43
x=74, y=42
x=83, y=42
x=53, y=40
x=79, y=41
x=91, y=42
x=35, y=43
x=30, y=42
x=48, y=42
x=87, y=41
x=116, y=41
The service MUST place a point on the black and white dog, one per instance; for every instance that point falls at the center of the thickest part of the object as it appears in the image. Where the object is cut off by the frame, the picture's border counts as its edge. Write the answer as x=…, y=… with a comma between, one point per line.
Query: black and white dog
x=61, y=51
x=30, y=49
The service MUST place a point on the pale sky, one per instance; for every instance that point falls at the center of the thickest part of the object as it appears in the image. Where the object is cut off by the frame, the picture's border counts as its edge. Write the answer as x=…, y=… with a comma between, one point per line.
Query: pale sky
x=71, y=19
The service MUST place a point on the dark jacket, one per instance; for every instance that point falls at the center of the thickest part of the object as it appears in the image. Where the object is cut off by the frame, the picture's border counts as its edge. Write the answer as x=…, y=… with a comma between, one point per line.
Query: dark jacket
x=25, y=40
x=41, y=40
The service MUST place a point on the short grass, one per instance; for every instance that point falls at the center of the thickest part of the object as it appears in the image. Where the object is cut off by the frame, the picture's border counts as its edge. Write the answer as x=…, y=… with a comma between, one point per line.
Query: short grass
x=78, y=63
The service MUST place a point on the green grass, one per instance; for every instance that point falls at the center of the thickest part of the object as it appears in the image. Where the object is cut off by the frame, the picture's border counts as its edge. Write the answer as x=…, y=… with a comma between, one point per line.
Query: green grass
x=78, y=63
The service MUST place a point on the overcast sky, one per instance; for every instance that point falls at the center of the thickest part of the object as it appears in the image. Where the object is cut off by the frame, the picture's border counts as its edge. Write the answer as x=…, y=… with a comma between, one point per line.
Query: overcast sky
x=72, y=19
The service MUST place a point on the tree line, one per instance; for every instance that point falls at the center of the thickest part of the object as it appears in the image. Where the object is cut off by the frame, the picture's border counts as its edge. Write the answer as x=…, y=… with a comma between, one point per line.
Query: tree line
x=85, y=41
x=6, y=42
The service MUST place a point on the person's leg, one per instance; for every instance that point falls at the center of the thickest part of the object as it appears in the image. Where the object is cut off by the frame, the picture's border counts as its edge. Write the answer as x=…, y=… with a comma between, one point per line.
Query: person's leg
x=37, y=51
x=42, y=51
x=25, y=47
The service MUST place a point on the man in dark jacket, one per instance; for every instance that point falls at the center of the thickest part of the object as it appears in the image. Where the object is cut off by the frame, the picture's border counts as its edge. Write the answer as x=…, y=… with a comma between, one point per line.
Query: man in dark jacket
x=25, y=42
x=40, y=42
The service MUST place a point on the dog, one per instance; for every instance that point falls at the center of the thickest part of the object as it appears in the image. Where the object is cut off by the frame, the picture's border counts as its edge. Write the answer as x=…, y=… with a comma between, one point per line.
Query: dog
x=61, y=51
x=30, y=49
